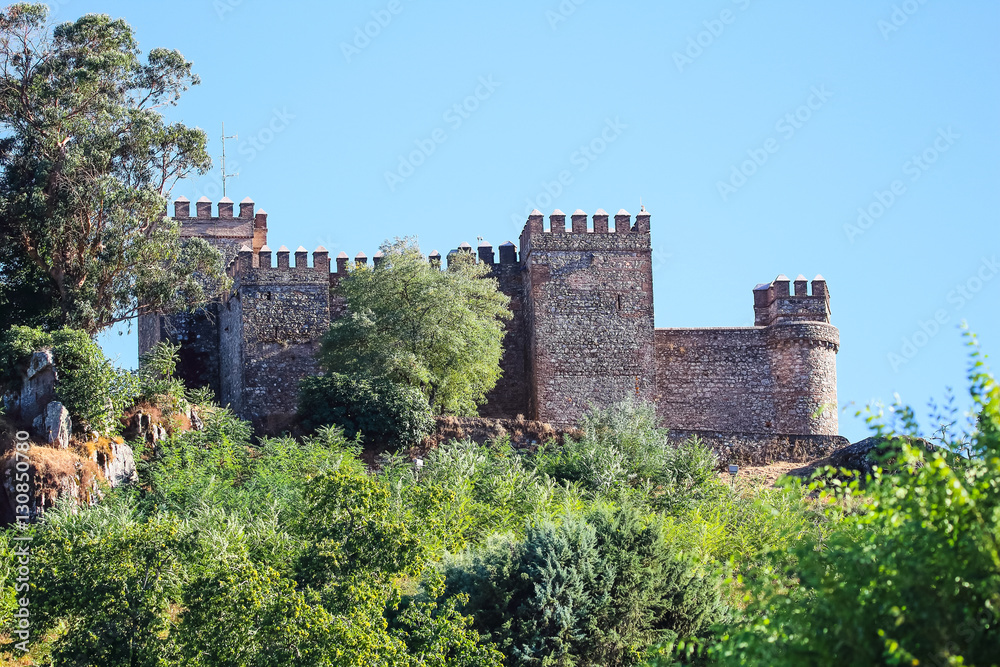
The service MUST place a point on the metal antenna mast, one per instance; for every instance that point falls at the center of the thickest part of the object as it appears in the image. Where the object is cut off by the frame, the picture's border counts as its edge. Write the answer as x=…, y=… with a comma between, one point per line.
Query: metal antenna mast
x=224, y=174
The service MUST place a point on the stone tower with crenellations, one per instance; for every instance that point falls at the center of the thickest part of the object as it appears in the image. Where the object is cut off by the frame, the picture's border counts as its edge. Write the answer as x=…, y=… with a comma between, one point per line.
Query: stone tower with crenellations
x=581, y=335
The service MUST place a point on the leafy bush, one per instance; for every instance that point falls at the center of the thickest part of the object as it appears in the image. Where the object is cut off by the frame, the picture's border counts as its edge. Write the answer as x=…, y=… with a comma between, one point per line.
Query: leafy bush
x=108, y=577
x=378, y=408
x=623, y=447
x=590, y=591
x=91, y=388
x=911, y=577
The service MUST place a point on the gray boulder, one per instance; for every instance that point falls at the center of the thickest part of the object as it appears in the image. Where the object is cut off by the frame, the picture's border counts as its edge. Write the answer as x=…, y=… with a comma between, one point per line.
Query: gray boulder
x=864, y=455
x=54, y=425
x=118, y=467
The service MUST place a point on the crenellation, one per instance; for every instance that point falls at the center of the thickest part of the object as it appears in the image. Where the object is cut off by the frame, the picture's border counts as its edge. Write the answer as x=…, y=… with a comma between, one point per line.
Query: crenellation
x=204, y=207
x=361, y=259
x=264, y=258
x=321, y=261
x=557, y=222
x=342, y=260
x=623, y=222
x=226, y=208
x=182, y=208
x=486, y=254
x=508, y=253
x=579, y=222
x=301, y=258
x=642, y=222
x=377, y=259
x=284, y=258
x=246, y=208
x=601, y=219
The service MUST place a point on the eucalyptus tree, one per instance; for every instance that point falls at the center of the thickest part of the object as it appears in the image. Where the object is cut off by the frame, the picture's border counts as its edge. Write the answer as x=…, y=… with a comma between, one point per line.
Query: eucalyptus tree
x=86, y=162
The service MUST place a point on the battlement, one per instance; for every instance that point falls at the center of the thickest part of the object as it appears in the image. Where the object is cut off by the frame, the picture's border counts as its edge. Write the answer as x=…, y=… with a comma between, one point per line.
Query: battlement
x=259, y=266
x=775, y=303
x=595, y=233
x=225, y=228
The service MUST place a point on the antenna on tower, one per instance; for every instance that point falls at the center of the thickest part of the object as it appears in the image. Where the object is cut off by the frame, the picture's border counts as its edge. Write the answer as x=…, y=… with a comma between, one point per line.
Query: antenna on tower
x=224, y=174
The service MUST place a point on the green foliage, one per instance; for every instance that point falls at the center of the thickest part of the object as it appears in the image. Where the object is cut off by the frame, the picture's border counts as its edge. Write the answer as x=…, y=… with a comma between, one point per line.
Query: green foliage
x=590, y=591
x=381, y=410
x=354, y=532
x=93, y=390
x=109, y=578
x=911, y=576
x=440, y=332
x=156, y=373
x=86, y=161
x=623, y=448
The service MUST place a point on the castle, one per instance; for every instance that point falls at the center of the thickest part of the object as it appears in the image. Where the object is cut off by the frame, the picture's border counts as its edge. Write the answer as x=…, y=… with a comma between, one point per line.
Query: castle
x=581, y=335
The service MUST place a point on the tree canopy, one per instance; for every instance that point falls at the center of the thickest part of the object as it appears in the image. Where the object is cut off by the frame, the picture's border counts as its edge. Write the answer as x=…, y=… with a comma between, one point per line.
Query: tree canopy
x=438, y=331
x=86, y=160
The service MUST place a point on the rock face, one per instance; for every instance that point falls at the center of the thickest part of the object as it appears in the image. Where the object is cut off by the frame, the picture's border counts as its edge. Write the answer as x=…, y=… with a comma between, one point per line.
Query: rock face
x=38, y=386
x=118, y=467
x=54, y=425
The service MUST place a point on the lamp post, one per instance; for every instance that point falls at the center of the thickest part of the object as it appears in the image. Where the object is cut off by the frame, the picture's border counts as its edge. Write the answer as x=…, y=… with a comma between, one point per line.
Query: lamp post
x=733, y=471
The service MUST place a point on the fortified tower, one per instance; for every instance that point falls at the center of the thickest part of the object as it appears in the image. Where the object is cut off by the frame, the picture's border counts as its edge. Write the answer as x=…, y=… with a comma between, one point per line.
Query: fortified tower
x=589, y=313
x=198, y=332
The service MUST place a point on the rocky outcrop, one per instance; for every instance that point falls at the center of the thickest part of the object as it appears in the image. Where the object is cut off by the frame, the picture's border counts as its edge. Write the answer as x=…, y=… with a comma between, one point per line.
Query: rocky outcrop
x=54, y=425
x=38, y=386
x=53, y=474
x=864, y=455
x=117, y=463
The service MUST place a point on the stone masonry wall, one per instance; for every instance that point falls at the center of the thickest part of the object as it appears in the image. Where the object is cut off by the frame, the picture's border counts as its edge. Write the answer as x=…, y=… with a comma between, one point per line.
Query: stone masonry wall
x=590, y=315
x=715, y=380
x=284, y=313
x=510, y=397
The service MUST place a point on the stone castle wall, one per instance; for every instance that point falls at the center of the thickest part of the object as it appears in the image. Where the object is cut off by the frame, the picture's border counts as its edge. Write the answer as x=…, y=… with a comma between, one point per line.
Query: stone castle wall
x=581, y=334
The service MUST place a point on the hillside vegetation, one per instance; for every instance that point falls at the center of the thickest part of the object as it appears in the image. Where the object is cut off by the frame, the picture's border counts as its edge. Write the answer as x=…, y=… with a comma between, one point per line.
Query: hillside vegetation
x=613, y=549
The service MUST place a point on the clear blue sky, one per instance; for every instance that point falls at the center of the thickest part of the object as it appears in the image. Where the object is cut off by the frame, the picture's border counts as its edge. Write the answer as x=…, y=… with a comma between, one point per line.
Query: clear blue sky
x=687, y=91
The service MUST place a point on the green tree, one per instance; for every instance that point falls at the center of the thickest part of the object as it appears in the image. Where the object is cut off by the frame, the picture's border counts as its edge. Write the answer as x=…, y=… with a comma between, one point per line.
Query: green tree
x=86, y=160
x=107, y=577
x=438, y=331
x=594, y=591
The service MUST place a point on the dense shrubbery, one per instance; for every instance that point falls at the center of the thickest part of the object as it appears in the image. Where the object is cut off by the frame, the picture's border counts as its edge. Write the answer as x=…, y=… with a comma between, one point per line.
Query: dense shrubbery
x=595, y=590
x=91, y=387
x=381, y=410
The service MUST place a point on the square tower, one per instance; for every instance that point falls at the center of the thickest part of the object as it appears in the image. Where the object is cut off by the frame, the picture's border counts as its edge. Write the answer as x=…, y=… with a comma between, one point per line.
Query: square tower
x=589, y=313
